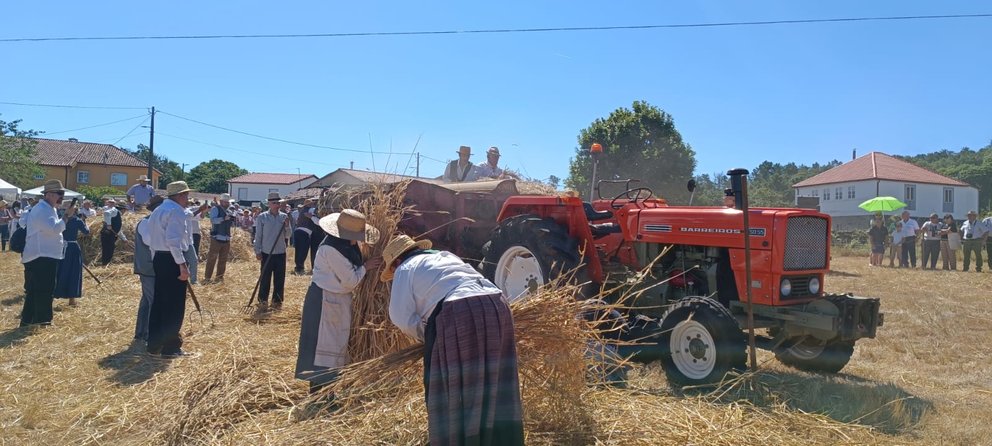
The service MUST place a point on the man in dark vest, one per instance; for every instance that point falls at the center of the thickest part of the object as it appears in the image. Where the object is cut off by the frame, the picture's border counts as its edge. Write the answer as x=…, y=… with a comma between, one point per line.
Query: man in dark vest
x=111, y=231
x=221, y=220
x=302, y=236
x=461, y=169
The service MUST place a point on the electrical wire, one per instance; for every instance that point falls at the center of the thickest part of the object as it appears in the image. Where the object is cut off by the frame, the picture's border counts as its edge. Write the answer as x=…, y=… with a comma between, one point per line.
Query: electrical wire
x=73, y=106
x=94, y=126
x=240, y=150
x=132, y=130
x=286, y=141
x=501, y=30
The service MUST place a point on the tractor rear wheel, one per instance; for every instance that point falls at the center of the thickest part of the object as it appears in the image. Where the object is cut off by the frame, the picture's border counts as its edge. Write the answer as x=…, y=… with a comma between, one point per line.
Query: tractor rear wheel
x=526, y=252
x=700, y=342
x=814, y=355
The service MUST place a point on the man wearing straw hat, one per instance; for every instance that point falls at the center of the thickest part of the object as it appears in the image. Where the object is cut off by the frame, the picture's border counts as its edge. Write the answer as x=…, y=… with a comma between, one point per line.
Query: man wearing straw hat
x=169, y=238
x=339, y=268
x=470, y=359
x=461, y=169
x=271, y=236
x=140, y=193
x=42, y=252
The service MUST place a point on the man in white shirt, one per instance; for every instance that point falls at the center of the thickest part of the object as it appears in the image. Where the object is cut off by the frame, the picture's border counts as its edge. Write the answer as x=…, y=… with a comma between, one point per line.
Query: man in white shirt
x=974, y=234
x=909, y=231
x=461, y=169
x=168, y=231
x=87, y=210
x=931, y=241
x=42, y=252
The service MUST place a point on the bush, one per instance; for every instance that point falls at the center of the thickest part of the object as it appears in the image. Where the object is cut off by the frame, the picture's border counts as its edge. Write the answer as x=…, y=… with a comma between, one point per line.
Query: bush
x=96, y=193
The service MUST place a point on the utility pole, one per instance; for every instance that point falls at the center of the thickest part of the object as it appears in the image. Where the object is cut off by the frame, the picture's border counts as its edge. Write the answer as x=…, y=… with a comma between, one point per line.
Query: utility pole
x=151, y=149
x=352, y=165
x=418, y=164
x=184, y=172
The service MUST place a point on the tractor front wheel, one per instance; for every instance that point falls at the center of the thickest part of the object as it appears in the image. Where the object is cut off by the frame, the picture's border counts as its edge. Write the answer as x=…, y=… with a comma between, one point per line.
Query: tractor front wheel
x=700, y=342
x=813, y=355
x=526, y=252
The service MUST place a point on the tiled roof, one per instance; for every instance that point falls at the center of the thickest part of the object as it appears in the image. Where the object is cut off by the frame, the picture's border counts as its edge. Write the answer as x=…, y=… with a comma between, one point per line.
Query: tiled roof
x=57, y=152
x=273, y=178
x=878, y=166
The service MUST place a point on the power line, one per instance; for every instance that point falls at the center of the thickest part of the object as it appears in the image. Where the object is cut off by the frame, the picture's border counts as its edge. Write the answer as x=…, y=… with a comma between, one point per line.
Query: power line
x=286, y=141
x=501, y=30
x=94, y=126
x=132, y=131
x=72, y=106
x=240, y=150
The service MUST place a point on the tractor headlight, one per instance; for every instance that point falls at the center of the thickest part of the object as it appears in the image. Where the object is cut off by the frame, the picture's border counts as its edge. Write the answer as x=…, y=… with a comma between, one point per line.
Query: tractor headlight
x=785, y=287
x=814, y=285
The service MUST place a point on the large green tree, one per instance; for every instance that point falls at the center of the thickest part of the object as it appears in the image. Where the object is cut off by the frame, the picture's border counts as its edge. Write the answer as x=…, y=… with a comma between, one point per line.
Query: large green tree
x=211, y=176
x=638, y=143
x=171, y=171
x=971, y=166
x=17, y=164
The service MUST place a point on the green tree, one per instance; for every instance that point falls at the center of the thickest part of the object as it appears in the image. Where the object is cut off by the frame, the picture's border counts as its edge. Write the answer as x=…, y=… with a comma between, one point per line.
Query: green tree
x=638, y=143
x=17, y=164
x=211, y=176
x=171, y=171
x=709, y=189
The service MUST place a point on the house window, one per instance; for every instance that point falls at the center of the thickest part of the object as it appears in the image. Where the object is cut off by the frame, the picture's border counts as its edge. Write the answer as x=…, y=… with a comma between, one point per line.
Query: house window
x=949, y=199
x=39, y=177
x=839, y=193
x=242, y=193
x=850, y=192
x=826, y=194
x=273, y=190
x=83, y=177
x=910, y=197
x=816, y=192
x=118, y=179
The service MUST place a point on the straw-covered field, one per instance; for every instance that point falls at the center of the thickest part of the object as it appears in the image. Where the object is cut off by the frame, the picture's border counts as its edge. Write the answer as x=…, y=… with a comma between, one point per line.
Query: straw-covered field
x=926, y=379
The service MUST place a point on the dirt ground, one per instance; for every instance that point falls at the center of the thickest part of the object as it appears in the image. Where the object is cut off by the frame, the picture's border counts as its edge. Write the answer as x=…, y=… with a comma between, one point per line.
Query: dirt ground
x=926, y=379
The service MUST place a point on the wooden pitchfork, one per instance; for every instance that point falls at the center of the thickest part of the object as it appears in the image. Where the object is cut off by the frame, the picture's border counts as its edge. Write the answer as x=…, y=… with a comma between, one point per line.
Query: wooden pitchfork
x=248, y=307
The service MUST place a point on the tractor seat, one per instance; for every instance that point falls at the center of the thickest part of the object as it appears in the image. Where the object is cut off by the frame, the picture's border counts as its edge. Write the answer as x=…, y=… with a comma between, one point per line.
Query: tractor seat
x=593, y=214
x=604, y=229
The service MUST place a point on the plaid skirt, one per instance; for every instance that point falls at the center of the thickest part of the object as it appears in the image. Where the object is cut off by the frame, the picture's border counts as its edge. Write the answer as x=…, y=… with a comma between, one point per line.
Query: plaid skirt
x=470, y=374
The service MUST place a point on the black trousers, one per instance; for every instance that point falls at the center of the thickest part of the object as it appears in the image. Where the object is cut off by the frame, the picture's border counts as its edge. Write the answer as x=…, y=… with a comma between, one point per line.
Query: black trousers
x=931, y=250
x=196, y=243
x=108, y=241
x=988, y=251
x=39, y=285
x=301, y=242
x=168, y=306
x=315, y=240
x=274, y=273
x=908, y=252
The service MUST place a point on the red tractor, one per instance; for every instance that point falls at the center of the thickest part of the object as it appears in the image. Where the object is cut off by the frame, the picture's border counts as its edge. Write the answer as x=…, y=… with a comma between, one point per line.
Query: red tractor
x=691, y=310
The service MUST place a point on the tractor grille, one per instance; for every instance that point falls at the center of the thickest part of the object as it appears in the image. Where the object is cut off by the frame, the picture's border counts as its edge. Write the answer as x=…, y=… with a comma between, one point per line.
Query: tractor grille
x=800, y=287
x=806, y=242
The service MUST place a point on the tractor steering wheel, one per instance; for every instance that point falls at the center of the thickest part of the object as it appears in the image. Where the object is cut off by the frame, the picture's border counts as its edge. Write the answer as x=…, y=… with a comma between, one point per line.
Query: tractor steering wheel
x=632, y=195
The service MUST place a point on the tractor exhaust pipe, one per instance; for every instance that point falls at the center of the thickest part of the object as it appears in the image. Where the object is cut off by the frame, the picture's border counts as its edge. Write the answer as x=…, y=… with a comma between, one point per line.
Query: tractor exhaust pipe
x=738, y=182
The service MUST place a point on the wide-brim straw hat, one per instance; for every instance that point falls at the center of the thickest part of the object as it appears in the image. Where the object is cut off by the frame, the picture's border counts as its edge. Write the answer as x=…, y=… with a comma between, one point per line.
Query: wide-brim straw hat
x=465, y=149
x=349, y=224
x=176, y=188
x=274, y=196
x=53, y=186
x=395, y=248
x=3, y=204
x=143, y=178
x=225, y=197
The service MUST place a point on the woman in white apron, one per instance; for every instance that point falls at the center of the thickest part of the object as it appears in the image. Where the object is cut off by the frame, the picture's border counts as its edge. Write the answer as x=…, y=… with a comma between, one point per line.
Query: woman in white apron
x=337, y=271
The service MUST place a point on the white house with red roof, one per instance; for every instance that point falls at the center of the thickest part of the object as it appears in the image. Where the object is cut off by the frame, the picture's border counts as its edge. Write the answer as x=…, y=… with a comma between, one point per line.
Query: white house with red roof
x=841, y=189
x=255, y=187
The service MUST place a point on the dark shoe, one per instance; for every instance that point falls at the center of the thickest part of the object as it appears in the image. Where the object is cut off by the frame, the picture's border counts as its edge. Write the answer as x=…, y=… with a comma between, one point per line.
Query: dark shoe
x=276, y=306
x=175, y=354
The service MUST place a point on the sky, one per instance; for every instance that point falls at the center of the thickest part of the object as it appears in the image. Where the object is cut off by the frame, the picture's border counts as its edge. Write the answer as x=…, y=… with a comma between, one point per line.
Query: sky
x=741, y=95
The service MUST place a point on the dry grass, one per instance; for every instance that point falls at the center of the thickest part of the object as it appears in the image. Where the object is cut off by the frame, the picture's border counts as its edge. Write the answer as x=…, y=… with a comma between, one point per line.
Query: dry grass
x=925, y=379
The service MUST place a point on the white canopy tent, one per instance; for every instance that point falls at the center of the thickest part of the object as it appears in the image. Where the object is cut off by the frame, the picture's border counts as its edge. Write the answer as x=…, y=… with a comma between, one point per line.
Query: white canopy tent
x=8, y=191
x=36, y=192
